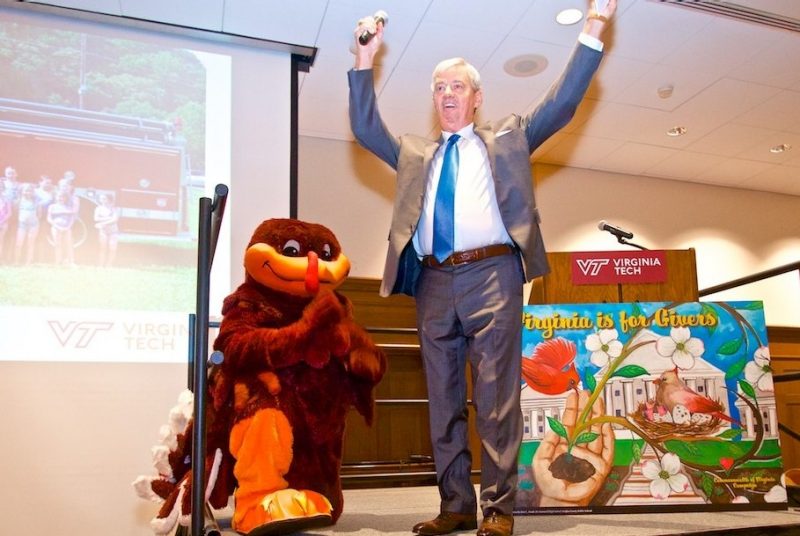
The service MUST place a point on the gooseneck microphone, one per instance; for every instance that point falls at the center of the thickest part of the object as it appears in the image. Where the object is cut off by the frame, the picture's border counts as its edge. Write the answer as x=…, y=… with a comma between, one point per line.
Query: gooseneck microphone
x=616, y=231
x=380, y=17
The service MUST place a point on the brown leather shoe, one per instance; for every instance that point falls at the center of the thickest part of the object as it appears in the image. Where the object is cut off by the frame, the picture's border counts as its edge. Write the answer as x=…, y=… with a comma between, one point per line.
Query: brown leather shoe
x=495, y=524
x=445, y=523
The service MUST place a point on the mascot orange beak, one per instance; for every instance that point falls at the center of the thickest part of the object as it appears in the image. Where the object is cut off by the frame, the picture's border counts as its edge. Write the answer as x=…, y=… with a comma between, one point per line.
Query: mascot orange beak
x=300, y=276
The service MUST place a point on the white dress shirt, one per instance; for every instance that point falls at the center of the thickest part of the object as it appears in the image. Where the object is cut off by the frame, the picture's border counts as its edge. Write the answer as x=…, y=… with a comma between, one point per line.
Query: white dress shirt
x=477, y=216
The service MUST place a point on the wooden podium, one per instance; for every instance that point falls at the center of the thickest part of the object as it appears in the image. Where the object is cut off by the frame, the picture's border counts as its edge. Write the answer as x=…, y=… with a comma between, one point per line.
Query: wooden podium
x=557, y=286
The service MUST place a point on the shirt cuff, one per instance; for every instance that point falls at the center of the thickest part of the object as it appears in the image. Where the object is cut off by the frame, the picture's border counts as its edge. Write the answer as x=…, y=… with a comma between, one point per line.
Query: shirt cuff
x=591, y=42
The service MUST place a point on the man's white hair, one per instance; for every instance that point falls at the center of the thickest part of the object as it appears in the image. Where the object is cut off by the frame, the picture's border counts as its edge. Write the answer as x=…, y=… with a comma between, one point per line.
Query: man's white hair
x=472, y=73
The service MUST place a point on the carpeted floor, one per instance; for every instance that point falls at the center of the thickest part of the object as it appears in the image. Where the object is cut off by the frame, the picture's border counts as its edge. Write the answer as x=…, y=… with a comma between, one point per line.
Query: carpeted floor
x=393, y=511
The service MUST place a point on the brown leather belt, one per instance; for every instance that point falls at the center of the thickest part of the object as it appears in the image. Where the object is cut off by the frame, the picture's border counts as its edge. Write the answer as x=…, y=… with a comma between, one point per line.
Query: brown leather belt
x=471, y=255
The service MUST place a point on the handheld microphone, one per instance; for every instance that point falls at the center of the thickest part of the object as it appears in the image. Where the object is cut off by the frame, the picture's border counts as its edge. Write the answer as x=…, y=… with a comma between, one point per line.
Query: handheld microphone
x=380, y=16
x=616, y=231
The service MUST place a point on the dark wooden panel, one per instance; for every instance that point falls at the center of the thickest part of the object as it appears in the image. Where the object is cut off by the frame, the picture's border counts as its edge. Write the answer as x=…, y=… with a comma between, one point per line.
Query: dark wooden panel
x=681, y=283
x=373, y=311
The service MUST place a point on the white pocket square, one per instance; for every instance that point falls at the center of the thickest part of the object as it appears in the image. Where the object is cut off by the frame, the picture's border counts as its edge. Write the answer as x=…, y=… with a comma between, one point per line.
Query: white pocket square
x=503, y=132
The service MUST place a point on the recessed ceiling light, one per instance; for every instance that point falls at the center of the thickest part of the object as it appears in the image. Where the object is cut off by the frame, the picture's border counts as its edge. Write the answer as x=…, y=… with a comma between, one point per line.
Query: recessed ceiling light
x=525, y=65
x=676, y=131
x=665, y=91
x=569, y=16
x=782, y=148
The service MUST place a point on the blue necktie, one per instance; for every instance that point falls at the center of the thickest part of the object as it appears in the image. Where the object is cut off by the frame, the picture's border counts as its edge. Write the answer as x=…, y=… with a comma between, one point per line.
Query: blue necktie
x=443, y=226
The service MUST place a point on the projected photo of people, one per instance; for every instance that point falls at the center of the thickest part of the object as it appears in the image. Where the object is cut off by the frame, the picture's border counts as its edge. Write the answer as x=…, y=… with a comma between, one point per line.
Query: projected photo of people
x=102, y=147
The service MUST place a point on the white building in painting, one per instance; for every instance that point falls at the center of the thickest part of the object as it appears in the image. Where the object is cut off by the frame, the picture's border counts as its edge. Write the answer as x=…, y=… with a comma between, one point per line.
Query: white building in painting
x=769, y=414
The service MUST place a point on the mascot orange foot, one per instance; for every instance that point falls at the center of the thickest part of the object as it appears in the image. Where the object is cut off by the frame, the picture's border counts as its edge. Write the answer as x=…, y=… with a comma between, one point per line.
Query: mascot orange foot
x=294, y=363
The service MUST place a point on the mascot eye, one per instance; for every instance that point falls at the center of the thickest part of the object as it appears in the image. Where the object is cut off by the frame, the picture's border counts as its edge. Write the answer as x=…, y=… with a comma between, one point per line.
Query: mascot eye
x=291, y=248
x=326, y=253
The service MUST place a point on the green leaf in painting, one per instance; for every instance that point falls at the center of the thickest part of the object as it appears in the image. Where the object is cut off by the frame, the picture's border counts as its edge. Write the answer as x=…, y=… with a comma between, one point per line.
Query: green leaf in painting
x=730, y=347
x=747, y=389
x=630, y=371
x=589, y=382
x=557, y=427
x=637, y=452
x=586, y=437
x=751, y=306
x=707, y=483
x=731, y=433
x=735, y=369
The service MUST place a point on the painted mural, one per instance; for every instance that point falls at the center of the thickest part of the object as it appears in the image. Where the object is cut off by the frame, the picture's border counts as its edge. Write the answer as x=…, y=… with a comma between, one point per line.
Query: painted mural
x=648, y=407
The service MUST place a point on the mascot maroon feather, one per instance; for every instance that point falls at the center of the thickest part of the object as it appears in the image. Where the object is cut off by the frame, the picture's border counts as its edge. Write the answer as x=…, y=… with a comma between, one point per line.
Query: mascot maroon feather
x=295, y=362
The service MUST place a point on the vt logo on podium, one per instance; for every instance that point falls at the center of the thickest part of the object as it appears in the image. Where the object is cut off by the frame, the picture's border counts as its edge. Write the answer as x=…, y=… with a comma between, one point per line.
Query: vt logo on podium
x=610, y=267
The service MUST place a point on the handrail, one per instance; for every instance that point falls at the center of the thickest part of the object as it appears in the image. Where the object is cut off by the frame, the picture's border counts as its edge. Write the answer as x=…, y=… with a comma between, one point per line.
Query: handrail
x=758, y=276
x=788, y=377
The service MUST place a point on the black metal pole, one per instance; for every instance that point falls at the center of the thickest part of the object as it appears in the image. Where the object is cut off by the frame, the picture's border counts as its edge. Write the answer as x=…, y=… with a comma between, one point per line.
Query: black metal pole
x=210, y=220
x=192, y=357
x=200, y=368
x=218, y=210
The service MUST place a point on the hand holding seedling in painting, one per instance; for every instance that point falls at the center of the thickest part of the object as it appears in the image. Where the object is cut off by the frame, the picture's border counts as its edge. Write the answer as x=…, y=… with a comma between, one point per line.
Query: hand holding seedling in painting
x=572, y=476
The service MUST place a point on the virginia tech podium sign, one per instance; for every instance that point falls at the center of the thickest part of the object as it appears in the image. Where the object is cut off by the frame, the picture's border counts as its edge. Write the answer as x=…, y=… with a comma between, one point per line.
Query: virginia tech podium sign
x=611, y=267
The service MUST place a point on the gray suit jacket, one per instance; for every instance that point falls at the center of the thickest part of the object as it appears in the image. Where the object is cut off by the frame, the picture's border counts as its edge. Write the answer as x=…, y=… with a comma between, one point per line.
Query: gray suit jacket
x=509, y=143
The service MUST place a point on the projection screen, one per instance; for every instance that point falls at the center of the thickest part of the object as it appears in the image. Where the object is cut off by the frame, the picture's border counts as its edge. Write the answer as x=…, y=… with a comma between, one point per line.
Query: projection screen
x=109, y=136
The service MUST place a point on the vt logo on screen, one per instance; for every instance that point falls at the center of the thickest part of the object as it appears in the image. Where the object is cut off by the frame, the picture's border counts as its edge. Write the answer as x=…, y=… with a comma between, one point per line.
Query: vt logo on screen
x=77, y=334
x=591, y=267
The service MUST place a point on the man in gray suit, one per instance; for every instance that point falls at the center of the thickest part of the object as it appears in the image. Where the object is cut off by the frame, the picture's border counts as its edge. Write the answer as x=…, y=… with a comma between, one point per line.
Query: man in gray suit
x=469, y=297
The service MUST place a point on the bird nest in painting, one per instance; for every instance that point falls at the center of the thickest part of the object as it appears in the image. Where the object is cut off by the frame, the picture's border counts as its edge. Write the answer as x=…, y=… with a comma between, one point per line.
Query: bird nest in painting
x=658, y=423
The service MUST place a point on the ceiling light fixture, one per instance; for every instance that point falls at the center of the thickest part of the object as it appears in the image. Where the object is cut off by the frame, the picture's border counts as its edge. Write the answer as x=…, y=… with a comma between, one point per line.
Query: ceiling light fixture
x=778, y=149
x=676, y=131
x=569, y=16
x=525, y=65
x=665, y=91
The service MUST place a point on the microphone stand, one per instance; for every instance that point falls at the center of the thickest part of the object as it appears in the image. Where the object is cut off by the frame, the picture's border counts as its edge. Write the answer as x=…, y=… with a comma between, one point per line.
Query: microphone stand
x=622, y=240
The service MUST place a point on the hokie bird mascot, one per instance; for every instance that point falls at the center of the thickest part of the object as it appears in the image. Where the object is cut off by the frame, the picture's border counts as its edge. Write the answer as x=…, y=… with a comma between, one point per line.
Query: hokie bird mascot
x=294, y=363
x=671, y=391
x=551, y=368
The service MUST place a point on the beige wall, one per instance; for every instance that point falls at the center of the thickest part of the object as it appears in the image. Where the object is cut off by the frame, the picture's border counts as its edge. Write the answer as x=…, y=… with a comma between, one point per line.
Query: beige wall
x=734, y=232
x=75, y=435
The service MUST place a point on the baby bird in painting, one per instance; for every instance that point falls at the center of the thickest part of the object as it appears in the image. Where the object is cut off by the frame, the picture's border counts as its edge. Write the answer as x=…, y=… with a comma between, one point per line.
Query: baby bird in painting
x=671, y=391
x=551, y=368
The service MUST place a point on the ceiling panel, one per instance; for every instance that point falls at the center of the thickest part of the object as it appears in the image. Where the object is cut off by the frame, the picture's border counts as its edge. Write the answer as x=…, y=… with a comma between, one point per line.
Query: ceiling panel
x=778, y=111
x=108, y=7
x=731, y=139
x=732, y=172
x=297, y=23
x=204, y=14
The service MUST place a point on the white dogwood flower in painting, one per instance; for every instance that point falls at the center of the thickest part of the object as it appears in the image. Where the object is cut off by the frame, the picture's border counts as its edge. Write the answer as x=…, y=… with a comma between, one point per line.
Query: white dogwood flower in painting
x=681, y=347
x=777, y=494
x=665, y=476
x=604, y=346
x=758, y=371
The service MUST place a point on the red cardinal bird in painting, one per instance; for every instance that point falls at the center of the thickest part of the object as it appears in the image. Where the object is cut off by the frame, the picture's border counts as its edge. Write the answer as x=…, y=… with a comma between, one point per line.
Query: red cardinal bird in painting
x=551, y=368
x=671, y=391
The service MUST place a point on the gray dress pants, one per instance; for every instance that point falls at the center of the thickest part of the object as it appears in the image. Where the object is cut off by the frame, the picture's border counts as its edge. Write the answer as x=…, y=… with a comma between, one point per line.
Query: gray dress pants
x=472, y=313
